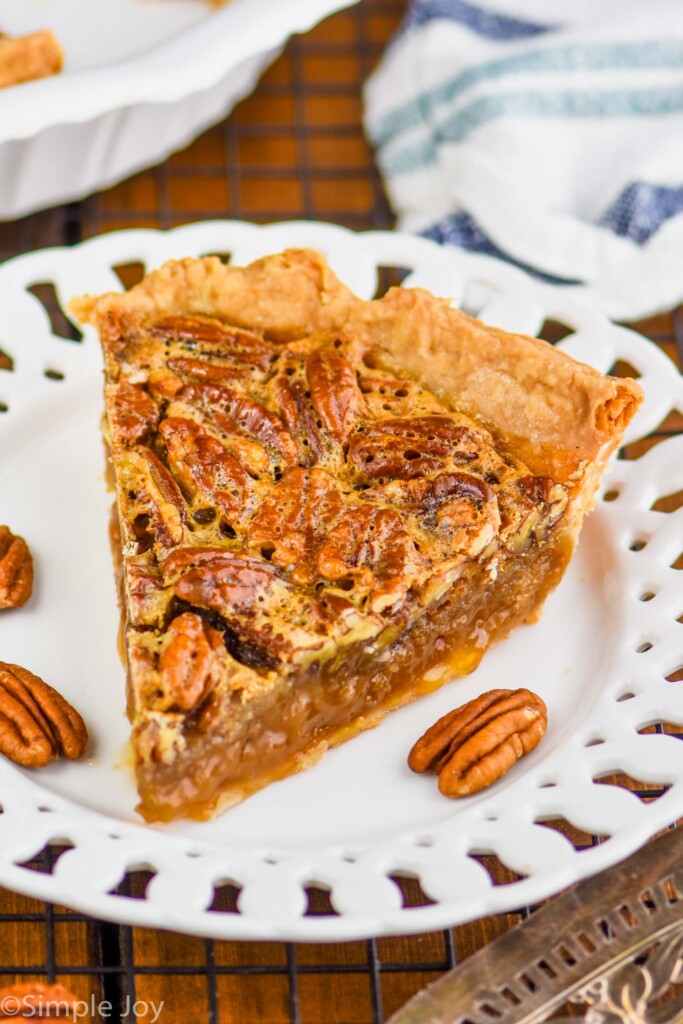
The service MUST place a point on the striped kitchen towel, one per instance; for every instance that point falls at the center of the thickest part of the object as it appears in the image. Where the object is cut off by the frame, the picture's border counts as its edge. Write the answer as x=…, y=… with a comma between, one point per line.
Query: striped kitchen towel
x=548, y=132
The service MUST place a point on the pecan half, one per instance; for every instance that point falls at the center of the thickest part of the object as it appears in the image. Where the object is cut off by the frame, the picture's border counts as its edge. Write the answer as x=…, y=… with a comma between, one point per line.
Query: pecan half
x=234, y=412
x=472, y=747
x=402, y=449
x=188, y=663
x=459, y=510
x=203, y=467
x=217, y=579
x=37, y=724
x=430, y=428
x=394, y=457
x=16, y=570
x=133, y=414
x=299, y=418
x=335, y=393
x=154, y=495
x=199, y=369
x=32, y=999
x=536, y=488
x=294, y=519
x=371, y=549
x=214, y=338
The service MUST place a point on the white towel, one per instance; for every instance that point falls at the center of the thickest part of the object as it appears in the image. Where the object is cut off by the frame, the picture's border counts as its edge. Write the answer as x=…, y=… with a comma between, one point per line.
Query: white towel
x=548, y=132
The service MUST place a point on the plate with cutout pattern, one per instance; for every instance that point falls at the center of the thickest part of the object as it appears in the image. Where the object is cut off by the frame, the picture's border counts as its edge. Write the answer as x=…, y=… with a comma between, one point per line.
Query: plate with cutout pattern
x=607, y=655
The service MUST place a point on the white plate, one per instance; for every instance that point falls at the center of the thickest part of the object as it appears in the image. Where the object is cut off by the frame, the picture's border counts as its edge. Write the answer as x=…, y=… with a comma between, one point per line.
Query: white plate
x=142, y=79
x=359, y=816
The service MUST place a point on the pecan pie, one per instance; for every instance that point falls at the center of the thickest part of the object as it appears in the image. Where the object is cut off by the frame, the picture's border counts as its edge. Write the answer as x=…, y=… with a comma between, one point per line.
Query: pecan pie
x=326, y=507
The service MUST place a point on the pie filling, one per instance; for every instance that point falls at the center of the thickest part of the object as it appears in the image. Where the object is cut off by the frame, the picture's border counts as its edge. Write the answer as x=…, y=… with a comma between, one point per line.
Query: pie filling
x=292, y=728
x=307, y=534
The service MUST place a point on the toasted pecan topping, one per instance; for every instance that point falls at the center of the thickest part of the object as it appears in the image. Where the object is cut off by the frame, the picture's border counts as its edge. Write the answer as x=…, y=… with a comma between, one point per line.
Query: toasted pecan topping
x=152, y=492
x=371, y=547
x=393, y=458
x=294, y=519
x=536, y=488
x=220, y=580
x=458, y=512
x=189, y=665
x=405, y=449
x=212, y=373
x=203, y=467
x=290, y=497
x=16, y=570
x=299, y=417
x=269, y=621
x=133, y=413
x=214, y=338
x=235, y=412
x=335, y=393
x=530, y=506
x=447, y=429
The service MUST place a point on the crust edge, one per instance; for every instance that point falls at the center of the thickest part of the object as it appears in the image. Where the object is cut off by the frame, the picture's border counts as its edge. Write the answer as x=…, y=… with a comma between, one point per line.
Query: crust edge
x=561, y=417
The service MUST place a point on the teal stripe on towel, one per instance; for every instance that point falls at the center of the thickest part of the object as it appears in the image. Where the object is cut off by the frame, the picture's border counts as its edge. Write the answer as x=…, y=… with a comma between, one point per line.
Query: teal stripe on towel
x=651, y=55
x=569, y=105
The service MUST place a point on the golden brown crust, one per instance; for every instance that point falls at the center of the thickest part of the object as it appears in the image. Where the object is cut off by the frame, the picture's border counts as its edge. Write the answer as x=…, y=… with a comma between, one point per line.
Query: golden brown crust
x=549, y=410
x=286, y=296
x=26, y=58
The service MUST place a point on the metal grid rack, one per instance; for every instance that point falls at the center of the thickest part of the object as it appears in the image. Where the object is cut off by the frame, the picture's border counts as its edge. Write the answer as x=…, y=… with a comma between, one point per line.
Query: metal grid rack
x=294, y=149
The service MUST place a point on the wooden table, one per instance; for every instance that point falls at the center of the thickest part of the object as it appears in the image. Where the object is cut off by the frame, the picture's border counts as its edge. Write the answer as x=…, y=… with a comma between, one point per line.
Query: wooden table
x=295, y=148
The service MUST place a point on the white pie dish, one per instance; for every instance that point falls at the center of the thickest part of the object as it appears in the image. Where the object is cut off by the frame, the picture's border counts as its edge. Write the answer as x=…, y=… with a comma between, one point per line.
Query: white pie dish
x=599, y=656
x=142, y=79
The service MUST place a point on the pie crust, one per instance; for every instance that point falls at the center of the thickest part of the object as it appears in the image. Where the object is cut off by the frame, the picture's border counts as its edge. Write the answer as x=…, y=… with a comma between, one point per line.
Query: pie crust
x=325, y=507
x=25, y=58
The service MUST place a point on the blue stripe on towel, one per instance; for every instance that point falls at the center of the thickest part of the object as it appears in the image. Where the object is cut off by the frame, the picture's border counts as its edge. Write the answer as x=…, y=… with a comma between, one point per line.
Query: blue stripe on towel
x=478, y=19
x=648, y=55
x=641, y=209
x=596, y=103
x=462, y=230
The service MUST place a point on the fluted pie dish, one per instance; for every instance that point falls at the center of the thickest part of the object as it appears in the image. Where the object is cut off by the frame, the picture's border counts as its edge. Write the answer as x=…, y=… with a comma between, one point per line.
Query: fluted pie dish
x=325, y=507
x=141, y=79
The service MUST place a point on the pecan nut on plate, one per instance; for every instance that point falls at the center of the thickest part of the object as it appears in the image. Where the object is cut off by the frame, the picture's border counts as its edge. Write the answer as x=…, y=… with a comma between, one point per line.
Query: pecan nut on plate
x=473, y=746
x=16, y=570
x=37, y=725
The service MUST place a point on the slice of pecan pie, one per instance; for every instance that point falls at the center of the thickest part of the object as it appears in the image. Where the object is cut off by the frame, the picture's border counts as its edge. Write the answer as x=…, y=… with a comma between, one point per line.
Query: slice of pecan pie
x=326, y=507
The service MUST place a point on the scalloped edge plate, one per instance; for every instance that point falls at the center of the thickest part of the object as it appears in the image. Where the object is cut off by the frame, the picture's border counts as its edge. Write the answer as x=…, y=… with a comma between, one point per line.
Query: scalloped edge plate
x=600, y=656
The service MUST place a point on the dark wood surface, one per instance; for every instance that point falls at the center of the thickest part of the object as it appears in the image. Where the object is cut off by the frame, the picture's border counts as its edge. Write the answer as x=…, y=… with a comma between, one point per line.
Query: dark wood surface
x=295, y=148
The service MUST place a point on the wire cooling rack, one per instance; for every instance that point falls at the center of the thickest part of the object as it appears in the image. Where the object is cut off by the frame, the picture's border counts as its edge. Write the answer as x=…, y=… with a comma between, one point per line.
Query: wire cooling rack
x=295, y=148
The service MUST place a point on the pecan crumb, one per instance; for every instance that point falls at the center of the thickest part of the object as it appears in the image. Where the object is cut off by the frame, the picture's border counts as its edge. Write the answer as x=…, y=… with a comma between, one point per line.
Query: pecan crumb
x=475, y=745
x=16, y=570
x=37, y=724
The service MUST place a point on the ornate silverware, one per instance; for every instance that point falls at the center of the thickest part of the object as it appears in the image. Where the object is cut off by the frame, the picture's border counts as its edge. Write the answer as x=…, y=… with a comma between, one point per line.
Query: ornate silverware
x=613, y=944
